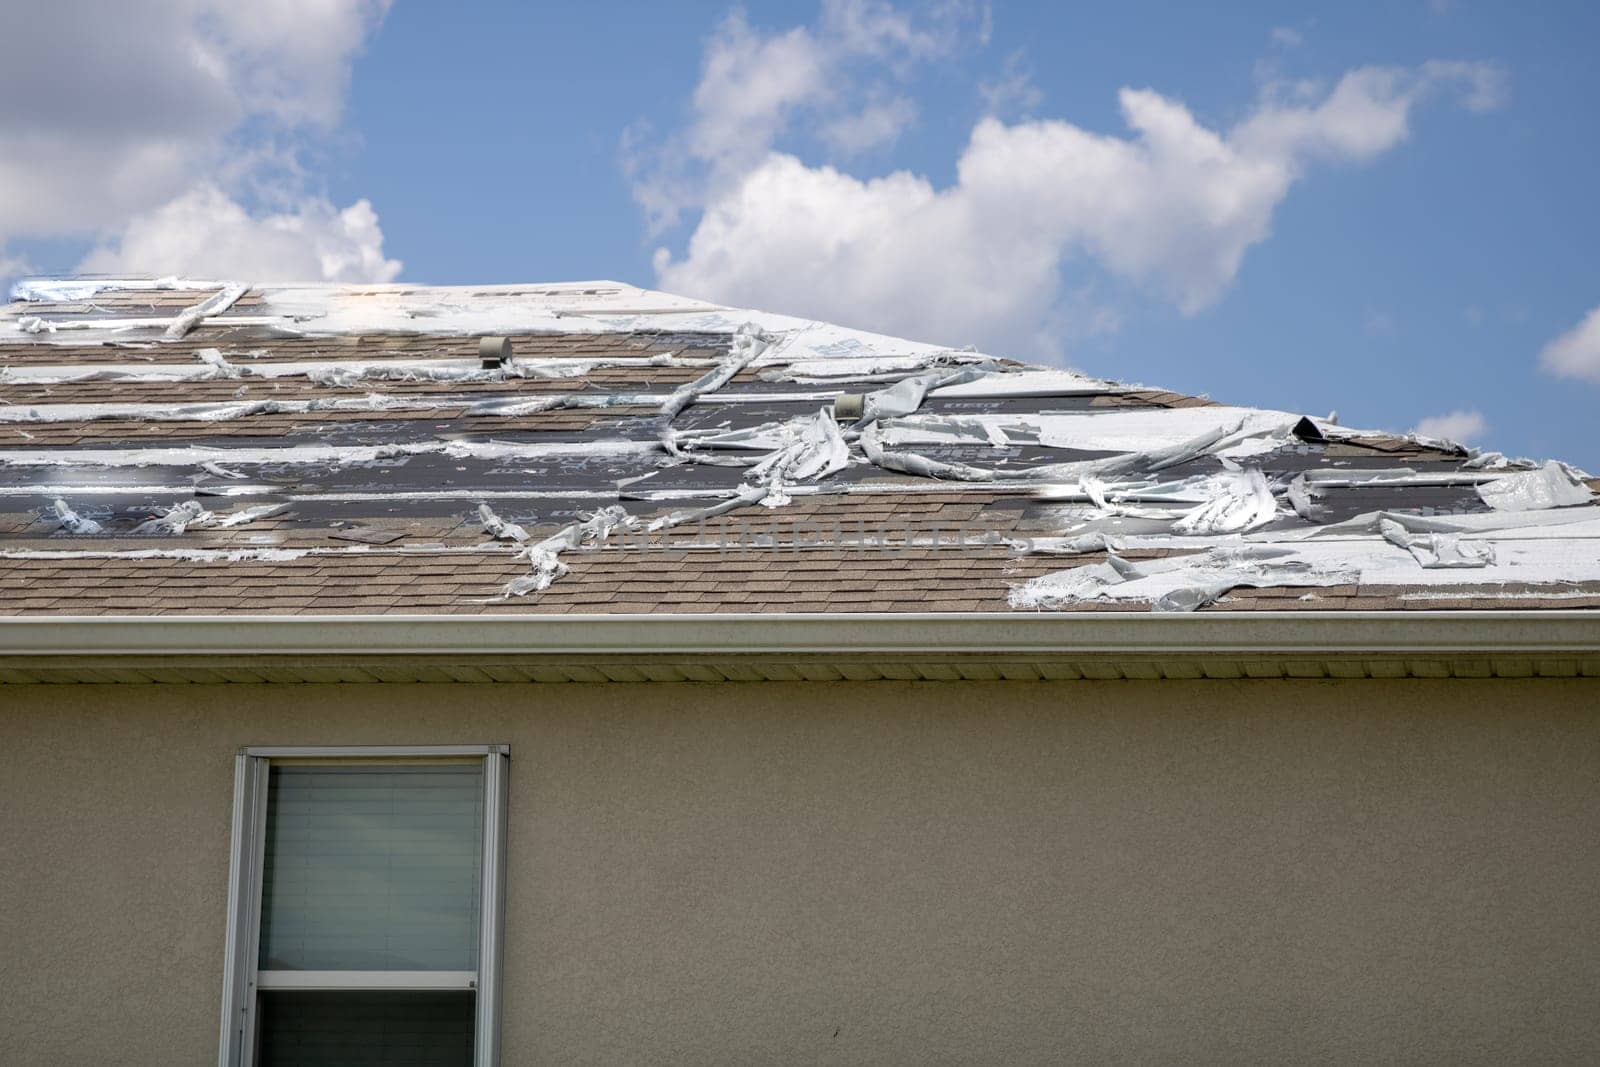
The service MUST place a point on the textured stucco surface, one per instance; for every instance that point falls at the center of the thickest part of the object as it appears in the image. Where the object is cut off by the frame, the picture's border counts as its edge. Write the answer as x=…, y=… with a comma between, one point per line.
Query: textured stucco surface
x=881, y=873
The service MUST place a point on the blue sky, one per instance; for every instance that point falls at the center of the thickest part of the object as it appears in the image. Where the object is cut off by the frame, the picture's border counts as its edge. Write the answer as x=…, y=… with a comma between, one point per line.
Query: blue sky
x=1384, y=210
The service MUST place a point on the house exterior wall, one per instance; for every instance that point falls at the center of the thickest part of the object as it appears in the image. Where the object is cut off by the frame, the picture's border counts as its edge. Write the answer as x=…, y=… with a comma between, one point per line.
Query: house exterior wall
x=883, y=872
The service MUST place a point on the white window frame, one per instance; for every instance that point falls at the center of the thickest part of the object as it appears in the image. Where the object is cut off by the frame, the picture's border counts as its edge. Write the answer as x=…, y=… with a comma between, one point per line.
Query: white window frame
x=242, y=977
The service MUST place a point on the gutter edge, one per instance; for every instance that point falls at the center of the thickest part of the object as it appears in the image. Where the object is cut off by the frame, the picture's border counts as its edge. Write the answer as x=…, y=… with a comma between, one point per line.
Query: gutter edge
x=1086, y=634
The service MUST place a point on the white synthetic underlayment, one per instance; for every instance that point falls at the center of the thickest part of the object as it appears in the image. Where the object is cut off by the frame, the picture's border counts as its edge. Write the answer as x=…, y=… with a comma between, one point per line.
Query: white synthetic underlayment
x=212, y=365
x=72, y=522
x=320, y=455
x=177, y=518
x=498, y=528
x=1116, y=499
x=818, y=451
x=247, y=554
x=747, y=345
x=76, y=290
x=1122, y=430
x=1535, y=546
x=1553, y=485
x=228, y=410
x=191, y=316
x=860, y=368
x=1188, y=582
x=544, y=557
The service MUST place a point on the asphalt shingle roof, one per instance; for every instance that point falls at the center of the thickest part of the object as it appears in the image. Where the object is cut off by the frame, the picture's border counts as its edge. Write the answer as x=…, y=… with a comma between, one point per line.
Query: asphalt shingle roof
x=328, y=450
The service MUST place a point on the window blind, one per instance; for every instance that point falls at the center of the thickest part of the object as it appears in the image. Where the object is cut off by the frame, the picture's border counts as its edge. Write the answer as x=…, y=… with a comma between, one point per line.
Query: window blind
x=372, y=867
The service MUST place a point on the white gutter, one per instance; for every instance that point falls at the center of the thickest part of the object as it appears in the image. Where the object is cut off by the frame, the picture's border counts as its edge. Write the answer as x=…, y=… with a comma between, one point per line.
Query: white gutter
x=1216, y=634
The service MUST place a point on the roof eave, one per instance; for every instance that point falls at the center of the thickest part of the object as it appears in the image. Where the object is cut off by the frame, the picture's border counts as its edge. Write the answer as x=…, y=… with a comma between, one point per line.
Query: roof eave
x=858, y=645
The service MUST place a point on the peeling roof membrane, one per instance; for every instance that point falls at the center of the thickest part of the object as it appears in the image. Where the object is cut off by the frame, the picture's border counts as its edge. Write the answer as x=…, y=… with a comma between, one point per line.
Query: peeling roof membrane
x=72, y=522
x=151, y=399
x=544, y=557
x=177, y=519
x=747, y=345
x=1247, y=431
x=317, y=455
x=1184, y=583
x=1553, y=485
x=211, y=365
x=245, y=516
x=498, y=528
x=73, y=290
x=189, y=317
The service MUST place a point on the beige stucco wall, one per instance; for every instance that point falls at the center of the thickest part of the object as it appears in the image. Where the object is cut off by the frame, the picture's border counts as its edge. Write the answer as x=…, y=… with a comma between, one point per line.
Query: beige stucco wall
x=889, y=873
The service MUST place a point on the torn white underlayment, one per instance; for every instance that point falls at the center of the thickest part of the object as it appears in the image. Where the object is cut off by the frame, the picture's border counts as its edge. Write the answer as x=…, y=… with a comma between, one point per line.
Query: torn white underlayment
x=818, y=451
x=907, y=395
x=331, y=310
x=211, y=365
x=184, y=555
x=815, y=451
x=192, y=316
x=245, y=516
x=1184, y=583
x=862, y=368
x=315, y=455
x=92, y=329
x=1237, y=500
x=1557, y=543
x=74, y=523
x=1438, y=550
x=1221, y=439
x=467, y=404
x=498, y=528
x=544, y=557
x=1560, y=524
x=1114, y=430
x=1578, y=521
x=1115, y=482
x=228, y=410
x=249, y=554
x=1554, y=485
x=177, y=519
x=584, y=307
x=76, y=290
x=747, y=345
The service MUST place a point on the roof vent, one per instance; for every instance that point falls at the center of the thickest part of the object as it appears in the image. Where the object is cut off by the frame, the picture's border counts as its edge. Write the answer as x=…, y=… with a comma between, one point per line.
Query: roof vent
x=494, y=352
x=1306, y=430
x=848, y=407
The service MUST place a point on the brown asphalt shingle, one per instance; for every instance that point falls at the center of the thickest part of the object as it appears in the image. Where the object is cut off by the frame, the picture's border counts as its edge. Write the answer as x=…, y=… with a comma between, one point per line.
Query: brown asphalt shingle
x=865, y=540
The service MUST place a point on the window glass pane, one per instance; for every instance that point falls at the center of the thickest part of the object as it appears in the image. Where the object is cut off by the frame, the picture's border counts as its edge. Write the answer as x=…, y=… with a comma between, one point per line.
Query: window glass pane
x=358, y=1029
x=372, y=867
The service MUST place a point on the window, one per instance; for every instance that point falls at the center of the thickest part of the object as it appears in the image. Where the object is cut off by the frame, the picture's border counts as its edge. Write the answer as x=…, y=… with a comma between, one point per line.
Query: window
x=364, y=906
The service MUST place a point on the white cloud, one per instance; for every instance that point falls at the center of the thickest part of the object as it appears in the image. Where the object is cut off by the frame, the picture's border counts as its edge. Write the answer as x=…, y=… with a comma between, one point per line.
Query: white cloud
x=755, y=87
x=1172, y=207
x=11, y=268
x=116, y=109
x=1013, y=90
x=1287, y=37
x=749, y=86
x=1367, y=113
x=290, y=58
x=204, y=232
x=1460, y=426
x=874, y=126
x=1576, y=353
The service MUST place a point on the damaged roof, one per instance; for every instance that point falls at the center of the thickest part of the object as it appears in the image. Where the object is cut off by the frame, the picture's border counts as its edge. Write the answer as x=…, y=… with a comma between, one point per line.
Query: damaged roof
x=174, y=446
